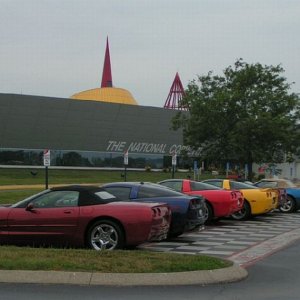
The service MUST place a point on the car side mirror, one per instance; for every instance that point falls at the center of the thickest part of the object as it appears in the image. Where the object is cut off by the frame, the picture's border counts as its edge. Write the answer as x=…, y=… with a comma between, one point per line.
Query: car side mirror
x=30, y=206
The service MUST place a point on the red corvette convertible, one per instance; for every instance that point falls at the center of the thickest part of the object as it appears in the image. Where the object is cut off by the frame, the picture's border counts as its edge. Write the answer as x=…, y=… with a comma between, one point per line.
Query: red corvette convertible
x=219, y=202
x=82, y=216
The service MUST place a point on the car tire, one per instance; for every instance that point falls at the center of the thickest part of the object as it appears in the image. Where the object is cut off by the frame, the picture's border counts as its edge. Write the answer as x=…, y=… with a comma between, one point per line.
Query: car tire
x=244, y=213
x=105, y=235
x=289, y=206
x=209, y=213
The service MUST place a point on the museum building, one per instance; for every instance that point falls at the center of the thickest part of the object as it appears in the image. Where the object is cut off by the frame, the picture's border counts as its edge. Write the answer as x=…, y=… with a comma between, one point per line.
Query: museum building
x=94, y=128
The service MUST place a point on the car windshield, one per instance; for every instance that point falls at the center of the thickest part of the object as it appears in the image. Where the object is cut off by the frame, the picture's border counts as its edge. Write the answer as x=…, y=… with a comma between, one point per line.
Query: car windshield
x=241, y=185
x=288, y=184
x=198, y=186
x=276, y=183
x=20, y=203
x=156, y=190
x=267, y=184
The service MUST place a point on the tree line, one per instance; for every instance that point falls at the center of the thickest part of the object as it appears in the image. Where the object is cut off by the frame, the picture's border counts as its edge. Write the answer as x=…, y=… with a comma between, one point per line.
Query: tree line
x=246, y=115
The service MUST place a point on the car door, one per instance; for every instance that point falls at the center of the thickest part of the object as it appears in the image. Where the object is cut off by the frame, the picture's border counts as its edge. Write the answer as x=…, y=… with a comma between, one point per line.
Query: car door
x=4, y=211
x=51, y=217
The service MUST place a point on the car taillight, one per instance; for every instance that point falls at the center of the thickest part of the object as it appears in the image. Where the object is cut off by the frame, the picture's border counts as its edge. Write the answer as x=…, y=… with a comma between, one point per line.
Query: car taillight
x=236, y=195
x=156, y=211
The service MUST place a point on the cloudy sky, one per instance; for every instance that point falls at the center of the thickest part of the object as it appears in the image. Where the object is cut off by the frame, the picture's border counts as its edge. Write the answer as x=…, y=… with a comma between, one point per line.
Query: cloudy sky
x=56, y=47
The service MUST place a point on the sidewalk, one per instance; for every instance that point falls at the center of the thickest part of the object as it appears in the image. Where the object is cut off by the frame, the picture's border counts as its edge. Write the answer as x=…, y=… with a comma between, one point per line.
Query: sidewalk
x=226, y=275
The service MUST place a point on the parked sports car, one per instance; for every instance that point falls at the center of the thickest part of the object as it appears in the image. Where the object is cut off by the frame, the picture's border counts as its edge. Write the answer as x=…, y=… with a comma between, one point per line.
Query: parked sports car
x=288, y=189
x=83, y=216
x=188, y=212
x=256, y=201
x=219, y=202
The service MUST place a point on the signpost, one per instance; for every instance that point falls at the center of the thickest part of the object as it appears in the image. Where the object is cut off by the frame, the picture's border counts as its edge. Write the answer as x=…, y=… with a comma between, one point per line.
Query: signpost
x=246, y=171
x=125, y=164
x=196, y=173
x=174, y=163
x=47, y=162
x=227, y=169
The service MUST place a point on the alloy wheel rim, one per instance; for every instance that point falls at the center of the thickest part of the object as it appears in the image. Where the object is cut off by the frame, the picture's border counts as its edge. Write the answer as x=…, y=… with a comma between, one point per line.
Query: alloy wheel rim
x=240, y=214
x=104, y=237
x=206, y=213
x=287, y=206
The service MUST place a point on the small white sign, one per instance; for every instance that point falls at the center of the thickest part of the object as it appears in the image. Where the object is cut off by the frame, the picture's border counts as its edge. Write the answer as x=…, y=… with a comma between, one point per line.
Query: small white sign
x=47, y=160
x=126, y=158
x=174, y=160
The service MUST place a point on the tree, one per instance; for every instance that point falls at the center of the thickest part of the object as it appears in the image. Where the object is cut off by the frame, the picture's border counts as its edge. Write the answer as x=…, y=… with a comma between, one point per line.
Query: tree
x=246, y=115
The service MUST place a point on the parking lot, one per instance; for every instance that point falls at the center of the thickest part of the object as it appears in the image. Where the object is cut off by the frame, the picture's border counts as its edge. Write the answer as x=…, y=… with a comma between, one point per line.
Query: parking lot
x=236, y=240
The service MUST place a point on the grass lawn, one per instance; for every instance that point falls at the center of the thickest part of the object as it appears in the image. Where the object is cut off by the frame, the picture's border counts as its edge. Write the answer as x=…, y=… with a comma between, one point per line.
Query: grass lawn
x=24, y=176
x=117, y=261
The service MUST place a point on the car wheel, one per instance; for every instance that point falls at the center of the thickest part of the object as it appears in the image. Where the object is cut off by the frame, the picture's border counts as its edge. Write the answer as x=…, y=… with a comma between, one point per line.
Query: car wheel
x=289, y=206
x=244, y=213
x=209, y=215
x=105, y=235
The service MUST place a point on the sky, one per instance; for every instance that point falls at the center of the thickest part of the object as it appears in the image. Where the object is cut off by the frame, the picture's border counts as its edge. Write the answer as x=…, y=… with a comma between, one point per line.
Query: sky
x=56, y=47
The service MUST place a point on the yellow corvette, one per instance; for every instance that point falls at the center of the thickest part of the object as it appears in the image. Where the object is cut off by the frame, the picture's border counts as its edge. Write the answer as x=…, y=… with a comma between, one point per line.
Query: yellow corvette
x=256, y=201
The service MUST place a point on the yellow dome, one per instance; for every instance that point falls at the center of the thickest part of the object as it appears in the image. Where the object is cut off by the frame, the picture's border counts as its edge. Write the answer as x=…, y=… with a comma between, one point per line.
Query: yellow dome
x=106, y=94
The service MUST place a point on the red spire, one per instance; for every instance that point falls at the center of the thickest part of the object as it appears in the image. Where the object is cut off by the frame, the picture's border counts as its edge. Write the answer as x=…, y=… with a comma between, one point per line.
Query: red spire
x=175, y=95
x=106, y=74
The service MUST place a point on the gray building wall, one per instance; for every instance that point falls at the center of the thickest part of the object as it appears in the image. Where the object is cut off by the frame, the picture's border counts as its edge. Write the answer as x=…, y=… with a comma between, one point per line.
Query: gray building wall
x=35, y=122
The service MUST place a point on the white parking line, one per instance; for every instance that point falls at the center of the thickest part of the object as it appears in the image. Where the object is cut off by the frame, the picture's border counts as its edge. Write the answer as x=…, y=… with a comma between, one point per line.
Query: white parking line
x=265, y=248
x=249, y=241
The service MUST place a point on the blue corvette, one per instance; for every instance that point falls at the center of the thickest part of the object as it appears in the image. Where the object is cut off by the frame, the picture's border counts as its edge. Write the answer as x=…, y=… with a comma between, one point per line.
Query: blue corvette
x=188, y=212
x=292, y=202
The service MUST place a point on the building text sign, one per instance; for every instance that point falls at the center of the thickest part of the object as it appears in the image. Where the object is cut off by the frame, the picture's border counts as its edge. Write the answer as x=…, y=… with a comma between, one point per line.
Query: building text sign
x=150, y=148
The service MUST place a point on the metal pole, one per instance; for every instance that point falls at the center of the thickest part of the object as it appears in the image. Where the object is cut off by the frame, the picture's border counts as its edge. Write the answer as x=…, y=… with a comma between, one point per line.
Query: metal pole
x=125, y=165
x=46, y=177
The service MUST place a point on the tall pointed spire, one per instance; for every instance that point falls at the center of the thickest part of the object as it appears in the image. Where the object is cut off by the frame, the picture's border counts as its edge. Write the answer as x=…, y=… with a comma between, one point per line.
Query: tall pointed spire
x=174, y=99
x=106, y=74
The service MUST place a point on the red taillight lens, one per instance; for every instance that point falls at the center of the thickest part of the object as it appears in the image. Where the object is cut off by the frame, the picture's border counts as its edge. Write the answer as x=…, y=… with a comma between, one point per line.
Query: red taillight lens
x=156, y=212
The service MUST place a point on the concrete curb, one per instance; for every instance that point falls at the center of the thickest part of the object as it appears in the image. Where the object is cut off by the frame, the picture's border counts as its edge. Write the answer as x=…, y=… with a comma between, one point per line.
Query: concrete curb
x=225, y=275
